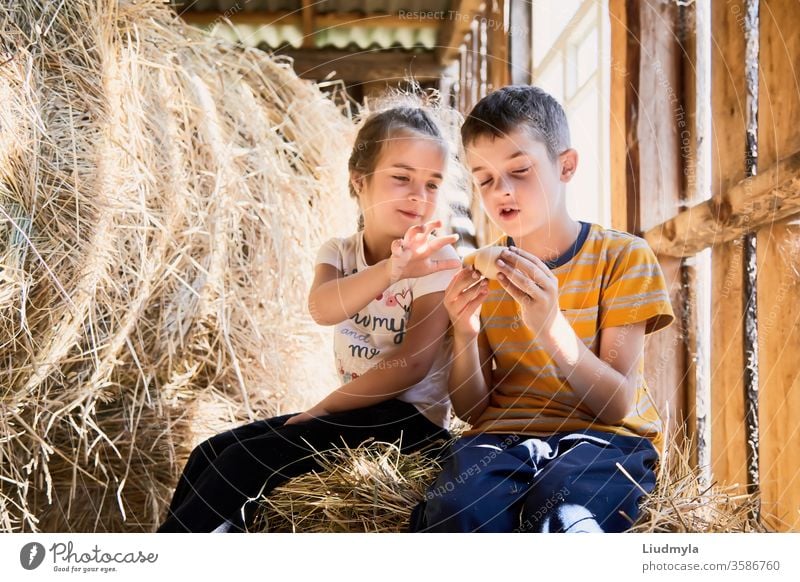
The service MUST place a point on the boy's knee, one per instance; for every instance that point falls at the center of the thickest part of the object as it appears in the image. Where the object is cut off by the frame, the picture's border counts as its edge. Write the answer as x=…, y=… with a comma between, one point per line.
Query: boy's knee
x=544, y=498
x=570, y=518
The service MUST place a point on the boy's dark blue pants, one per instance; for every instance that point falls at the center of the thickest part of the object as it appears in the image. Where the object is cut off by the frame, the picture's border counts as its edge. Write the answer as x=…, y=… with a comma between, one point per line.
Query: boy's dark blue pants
x=238, y=465
x=566, y=482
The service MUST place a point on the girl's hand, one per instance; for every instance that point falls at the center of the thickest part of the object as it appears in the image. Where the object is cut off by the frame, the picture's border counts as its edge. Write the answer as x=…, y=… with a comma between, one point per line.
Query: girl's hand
x=463, y=299
x=533, y=285
x=310, y=414
x=411, y=254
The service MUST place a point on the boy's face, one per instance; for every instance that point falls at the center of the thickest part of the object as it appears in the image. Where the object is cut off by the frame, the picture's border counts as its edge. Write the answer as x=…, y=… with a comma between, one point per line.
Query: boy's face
x=520, y=186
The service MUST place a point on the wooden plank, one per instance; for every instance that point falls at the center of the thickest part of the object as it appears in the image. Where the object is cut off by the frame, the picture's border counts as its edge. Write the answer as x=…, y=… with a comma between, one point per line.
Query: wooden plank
x=778, y=277
x=498, y=45
x=482, y=68
x=462, y=80
x=455, y=29
x=308, y=24
x=661, y=167
x=621, y=78
x=633, y=66
x=475, y=68
x=364, y=66
x=657, y=182
x=469, y=73
x=492, y=72
x=753, y=203
x=695, y=140
x=209, y=18
x=750, y=281
x=687, y=135
x=728, y=130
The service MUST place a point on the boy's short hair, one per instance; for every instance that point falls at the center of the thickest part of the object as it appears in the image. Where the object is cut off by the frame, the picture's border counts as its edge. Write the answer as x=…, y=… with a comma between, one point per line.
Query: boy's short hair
x=505, y=110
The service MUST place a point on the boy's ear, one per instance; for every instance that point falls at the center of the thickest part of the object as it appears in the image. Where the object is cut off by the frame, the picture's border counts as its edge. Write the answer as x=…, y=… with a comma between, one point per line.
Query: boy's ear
x=569, y=164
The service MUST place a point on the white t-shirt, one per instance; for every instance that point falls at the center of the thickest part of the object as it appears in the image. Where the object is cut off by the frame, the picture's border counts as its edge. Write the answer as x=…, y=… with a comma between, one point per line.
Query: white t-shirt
x=379, y=328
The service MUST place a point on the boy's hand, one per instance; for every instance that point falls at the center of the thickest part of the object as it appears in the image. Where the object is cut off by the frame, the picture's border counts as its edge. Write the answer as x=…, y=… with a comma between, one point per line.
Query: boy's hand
x=411, y=254
x=463, y=304
x=533, y=285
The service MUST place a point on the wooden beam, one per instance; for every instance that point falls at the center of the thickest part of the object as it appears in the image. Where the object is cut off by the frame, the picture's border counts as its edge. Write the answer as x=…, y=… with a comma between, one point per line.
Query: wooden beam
x=633, y=56
x=251, y=18
x=359, y=67
x=308, y=25
x=296, y=18
x=455, y=28
x=481, y=52
x=472, y=56
x=497, y=49
x=462, y=80
x=621, y=80
x=654, y=190
x=778, y=290
x=770, y=196
x=750, y=281
x=728, y=54
x=696, y=65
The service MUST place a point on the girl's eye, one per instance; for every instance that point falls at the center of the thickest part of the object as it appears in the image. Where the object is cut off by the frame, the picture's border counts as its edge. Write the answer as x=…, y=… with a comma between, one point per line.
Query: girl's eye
x=401, y=178
x=433, y=186
x=485, y=182
x=522, y=171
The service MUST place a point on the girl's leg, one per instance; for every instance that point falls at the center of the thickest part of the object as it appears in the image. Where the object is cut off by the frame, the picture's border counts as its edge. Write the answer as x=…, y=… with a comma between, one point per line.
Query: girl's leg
x=204, y=454
x=252, y=467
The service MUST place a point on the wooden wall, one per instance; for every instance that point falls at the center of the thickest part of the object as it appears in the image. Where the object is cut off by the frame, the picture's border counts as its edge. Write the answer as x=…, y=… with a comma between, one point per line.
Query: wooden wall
x=779, y=272
x=653, y=91
x=649, y=112
x=728, y=92
x=647, y=170
x=777, y=263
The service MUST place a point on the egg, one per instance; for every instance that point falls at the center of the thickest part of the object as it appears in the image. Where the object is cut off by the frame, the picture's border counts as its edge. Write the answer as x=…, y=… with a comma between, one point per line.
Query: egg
x=484, y=260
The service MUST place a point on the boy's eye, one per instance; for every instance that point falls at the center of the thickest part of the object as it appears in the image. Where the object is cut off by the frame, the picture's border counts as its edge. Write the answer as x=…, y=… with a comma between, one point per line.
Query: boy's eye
x=486, y=182
x=401, y=178
x=433, y=185
x=521, y=171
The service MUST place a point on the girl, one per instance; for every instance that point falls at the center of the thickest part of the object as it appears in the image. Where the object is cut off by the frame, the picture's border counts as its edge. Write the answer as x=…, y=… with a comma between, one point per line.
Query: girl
x=382, y=289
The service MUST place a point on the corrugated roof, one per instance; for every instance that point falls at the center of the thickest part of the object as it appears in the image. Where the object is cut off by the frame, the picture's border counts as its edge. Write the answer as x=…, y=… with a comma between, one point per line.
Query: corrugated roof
x=358, y=37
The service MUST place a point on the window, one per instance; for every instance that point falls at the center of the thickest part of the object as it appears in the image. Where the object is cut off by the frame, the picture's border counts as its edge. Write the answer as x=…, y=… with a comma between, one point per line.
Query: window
x=571, y=61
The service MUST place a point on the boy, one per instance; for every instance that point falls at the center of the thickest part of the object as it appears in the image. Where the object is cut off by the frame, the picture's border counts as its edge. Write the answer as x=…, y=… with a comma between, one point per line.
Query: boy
x=565, y=402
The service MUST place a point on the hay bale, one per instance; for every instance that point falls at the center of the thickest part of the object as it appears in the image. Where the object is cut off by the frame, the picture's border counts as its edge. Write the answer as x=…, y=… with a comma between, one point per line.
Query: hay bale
x=162, y=196
x=370, y=488
x=681, y=503
x=374, y=488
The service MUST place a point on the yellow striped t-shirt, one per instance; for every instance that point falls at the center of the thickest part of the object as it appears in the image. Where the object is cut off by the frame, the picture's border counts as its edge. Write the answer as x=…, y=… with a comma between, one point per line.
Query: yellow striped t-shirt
x=607, y=279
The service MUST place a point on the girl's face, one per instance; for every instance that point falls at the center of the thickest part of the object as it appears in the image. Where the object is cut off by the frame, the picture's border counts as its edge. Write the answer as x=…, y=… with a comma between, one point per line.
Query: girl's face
x=404, y=187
